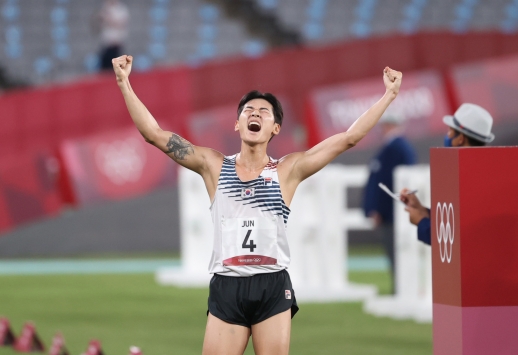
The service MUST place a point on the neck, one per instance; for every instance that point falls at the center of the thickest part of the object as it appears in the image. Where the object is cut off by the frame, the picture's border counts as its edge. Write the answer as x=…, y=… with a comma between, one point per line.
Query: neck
x=252, y=157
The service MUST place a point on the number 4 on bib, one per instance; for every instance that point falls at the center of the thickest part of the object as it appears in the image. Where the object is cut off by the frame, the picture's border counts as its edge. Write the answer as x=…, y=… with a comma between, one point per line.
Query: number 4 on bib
x=250, y=246
x=248, y=241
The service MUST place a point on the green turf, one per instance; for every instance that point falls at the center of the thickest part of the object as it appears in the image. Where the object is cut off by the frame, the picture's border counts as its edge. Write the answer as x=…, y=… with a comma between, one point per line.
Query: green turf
x=124, y=310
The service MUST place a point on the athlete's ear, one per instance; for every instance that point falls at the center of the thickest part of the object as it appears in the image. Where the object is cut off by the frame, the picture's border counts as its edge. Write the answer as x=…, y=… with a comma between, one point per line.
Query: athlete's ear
x=236, y=126
x=276, y=129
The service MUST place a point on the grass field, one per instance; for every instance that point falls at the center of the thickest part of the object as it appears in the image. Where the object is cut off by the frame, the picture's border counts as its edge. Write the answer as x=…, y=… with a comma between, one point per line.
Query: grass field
x=131, y=309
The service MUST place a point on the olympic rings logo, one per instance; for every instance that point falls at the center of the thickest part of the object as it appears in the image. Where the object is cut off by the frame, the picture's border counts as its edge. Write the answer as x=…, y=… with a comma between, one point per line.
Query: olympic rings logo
x=445, y=230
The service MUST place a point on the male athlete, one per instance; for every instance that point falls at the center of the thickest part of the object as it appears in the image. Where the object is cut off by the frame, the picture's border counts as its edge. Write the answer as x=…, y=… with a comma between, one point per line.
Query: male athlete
x=250, y=292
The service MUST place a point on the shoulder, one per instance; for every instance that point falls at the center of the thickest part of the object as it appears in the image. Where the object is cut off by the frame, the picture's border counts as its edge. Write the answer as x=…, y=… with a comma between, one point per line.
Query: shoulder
x=400, y=143
x=288, y=161
x=401, y=140
x=229, y=158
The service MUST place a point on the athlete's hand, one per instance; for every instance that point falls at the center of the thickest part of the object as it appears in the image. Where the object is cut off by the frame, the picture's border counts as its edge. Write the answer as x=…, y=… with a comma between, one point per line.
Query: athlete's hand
x=122, y=67
x=392, y=80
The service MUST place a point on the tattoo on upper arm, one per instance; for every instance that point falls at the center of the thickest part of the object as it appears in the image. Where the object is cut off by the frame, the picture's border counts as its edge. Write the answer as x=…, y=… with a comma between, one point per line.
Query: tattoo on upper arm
x=179, y=147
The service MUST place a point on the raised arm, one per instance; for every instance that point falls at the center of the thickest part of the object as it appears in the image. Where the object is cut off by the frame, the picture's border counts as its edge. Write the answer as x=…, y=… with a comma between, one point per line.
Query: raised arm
x=298, y=166
x=202, y=160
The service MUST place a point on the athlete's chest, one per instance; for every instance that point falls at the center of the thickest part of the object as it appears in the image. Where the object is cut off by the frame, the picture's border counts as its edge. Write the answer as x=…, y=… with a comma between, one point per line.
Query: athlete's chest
x=245, y=175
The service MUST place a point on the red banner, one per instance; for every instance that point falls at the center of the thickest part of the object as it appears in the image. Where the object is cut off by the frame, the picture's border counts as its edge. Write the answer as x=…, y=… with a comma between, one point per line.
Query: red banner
x=28, y=188
x=43, y=118
x=113, y=166
x=492, y=84
x=421, y=103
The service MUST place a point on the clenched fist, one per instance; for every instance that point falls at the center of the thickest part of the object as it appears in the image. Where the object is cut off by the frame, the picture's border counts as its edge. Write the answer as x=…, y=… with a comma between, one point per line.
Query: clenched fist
x=392, y=80
x=122, y=67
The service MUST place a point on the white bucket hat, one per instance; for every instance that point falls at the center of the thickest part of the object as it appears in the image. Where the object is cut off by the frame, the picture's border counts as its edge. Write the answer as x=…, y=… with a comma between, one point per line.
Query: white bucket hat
x=473, y=121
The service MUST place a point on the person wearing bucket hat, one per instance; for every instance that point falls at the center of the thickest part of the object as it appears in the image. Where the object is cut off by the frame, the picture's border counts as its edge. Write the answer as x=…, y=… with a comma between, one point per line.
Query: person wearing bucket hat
x=470, y=126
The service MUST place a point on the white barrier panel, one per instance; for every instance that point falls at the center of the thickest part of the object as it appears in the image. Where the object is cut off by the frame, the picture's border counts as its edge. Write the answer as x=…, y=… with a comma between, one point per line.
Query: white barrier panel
x=317, y=232
x=196, y=234
x=413, y=298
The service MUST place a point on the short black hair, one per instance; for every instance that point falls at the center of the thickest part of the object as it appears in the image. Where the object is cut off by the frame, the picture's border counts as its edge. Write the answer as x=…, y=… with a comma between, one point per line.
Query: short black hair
x=471, y=141
x=278, y=114
x=474, y=142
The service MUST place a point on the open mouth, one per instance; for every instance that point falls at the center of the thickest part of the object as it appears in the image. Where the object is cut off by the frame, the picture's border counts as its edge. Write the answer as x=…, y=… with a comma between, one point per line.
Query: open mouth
x=254, y=126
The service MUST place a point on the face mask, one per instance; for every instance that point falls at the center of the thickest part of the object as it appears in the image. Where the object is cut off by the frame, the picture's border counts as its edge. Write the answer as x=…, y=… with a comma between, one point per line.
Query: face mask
x=448, y=140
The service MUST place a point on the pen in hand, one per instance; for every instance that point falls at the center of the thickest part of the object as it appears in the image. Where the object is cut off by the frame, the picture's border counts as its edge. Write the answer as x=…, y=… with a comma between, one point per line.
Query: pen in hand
x=409, y=192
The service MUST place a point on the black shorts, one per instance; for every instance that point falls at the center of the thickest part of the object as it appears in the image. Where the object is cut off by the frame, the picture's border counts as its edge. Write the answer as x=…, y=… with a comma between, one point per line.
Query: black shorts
x=249, y=300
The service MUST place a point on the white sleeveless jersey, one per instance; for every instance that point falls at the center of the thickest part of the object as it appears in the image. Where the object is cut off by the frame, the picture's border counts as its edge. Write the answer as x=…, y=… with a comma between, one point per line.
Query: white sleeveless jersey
x=249, y=223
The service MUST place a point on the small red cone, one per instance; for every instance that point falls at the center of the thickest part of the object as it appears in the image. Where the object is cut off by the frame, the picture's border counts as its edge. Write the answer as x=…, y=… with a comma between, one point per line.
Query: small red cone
x=94, y=348
x=29, y=341
x=6, y=334
x=58, y=346
x=134, y=350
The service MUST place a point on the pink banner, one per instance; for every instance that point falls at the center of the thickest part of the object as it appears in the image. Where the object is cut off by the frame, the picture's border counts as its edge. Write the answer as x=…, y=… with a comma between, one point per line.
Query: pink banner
x=492, y=84
x=421, y=102
x=113, y=166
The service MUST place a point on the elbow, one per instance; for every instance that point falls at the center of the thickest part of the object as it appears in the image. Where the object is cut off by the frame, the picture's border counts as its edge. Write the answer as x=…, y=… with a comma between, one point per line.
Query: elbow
x=147, y=137
x=150, y=136
x=351, y=140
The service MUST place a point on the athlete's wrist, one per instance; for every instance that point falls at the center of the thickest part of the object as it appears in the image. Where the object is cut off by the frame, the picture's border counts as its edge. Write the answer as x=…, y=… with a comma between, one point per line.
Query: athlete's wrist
x=391, y=94
x=122, y=82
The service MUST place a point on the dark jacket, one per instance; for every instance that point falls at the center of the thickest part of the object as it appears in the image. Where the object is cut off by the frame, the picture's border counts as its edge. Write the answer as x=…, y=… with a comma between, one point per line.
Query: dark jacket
x=424, y=232
x=396, y=152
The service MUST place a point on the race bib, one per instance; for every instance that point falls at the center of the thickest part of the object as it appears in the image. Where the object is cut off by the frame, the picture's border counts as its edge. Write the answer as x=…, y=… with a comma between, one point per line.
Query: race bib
x=249, y=241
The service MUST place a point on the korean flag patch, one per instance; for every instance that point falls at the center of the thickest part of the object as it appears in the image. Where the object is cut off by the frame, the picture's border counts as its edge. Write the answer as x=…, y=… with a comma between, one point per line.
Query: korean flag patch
x=248, y=192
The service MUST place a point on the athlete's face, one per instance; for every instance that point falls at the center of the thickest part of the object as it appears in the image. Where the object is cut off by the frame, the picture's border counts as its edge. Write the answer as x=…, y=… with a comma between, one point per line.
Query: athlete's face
x=256, y=123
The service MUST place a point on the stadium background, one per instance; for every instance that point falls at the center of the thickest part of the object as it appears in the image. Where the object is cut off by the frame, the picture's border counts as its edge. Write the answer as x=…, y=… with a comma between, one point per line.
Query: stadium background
x=194, y=60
